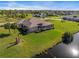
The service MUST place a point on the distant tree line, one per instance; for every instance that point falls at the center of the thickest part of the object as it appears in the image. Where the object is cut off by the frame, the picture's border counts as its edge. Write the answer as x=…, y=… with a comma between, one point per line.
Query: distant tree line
x=24, y=13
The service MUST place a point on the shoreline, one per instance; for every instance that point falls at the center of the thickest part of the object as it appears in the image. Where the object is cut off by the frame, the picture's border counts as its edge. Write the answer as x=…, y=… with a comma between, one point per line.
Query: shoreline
x=45, y=53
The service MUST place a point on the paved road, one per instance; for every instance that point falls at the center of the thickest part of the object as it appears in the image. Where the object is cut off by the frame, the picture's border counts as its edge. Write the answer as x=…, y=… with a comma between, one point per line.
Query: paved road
x=5, y=23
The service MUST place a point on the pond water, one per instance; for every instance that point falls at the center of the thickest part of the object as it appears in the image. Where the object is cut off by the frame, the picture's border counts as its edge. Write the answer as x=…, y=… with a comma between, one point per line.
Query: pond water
x=64, y=50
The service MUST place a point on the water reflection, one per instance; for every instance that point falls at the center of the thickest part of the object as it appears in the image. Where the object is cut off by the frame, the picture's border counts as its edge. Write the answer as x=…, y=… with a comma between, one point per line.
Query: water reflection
x=67, y=51
x=74, y=52
x=64, y=50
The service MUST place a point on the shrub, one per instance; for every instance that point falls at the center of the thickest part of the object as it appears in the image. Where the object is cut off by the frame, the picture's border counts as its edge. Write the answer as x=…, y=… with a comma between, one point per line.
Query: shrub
x=13, y=26
x=10, y=26
x=7, y=25
x=23, y=30
x=67, y=37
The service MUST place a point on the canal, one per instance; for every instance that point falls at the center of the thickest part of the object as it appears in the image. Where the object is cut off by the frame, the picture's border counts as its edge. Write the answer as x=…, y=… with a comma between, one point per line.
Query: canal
x=63, y=50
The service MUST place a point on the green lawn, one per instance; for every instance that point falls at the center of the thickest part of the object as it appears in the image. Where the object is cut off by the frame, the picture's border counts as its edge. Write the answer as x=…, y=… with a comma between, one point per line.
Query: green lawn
x=66, y=26
x=35, y=43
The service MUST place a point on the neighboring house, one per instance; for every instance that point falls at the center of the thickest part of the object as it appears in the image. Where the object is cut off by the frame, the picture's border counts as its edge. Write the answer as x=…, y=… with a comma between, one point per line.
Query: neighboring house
x=35, y=25
x=42, y=15
x=36, y=15
x=74, y=18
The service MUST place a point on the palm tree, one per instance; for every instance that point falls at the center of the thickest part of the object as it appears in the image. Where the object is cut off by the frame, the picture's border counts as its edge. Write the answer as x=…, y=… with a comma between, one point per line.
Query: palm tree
x=8, y=23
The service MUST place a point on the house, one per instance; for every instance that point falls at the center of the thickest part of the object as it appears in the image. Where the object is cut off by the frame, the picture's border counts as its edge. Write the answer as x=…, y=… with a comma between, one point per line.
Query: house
x=74, y=18
x=42, y=15
x=35, y=25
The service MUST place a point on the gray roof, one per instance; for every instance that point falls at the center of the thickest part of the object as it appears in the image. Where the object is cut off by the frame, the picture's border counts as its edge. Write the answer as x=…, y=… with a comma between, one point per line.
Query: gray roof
x=34, y=22
x=71, y=18
x=24, y=22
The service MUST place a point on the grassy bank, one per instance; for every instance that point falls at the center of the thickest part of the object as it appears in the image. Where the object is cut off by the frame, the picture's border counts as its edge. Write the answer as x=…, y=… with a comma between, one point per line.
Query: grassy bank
x=35, y=43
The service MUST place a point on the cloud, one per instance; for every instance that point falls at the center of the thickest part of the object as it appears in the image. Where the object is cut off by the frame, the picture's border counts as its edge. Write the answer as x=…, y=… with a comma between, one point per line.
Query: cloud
x=39, y=6
x=13, y=5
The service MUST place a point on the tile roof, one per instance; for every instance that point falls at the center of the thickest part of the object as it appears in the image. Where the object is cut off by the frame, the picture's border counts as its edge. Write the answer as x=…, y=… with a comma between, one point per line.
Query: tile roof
x=34, y=22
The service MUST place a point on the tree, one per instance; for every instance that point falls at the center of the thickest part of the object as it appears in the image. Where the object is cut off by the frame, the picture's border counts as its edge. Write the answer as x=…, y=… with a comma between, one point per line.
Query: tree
x=7, y=26
x=8, y=23
x=67, y=37
x=13, y=26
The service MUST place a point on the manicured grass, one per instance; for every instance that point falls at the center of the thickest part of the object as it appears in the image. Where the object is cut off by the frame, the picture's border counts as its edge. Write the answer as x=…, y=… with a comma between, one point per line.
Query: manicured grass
x=66, y=26
x=35, y=43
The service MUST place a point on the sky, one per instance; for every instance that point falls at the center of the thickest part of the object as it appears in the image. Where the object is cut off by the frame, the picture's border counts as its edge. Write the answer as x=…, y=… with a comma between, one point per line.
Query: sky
x=39, y=5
